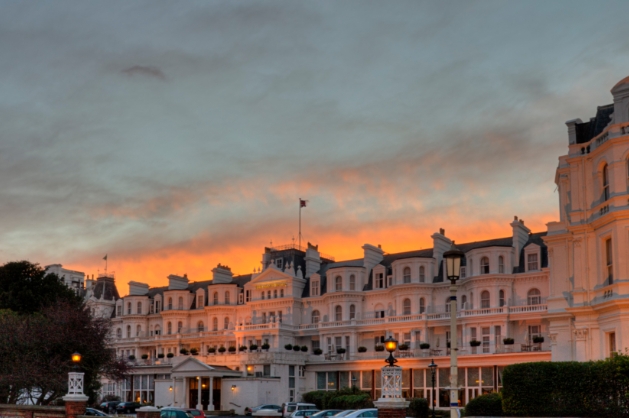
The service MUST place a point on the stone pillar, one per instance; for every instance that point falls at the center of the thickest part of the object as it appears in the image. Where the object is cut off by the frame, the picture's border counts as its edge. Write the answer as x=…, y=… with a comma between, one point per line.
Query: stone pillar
x=199, y=405
x=210, y=406
x=148, y=412
x=174, y=386
x=391, y=403
x=75, y=400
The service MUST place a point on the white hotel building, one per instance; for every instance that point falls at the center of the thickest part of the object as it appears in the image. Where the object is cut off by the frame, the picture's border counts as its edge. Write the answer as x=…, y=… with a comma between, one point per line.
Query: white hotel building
x=568, y=285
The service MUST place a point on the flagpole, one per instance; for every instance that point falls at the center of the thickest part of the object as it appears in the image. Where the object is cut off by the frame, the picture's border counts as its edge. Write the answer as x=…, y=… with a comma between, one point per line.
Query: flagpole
x=300, y=223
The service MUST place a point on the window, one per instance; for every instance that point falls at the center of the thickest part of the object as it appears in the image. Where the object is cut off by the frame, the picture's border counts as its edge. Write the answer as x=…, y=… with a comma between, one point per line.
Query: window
x=200, y=327
x=612, y=343
x=200, y=302
x=170, y=303
x=279, y=263
x=407, y=274
x=484, y=265
x=315, y=317
x=139, y=308
x=268, y=294
x=501, y=264
x=157, y=330
x=247, y=295
x=605, y=182
x=129, y=308
x=422, y=274
x=501, y=298
x=352, y=312
x=227, y=298
x=462, y=273
x=338, y=283
x=179, y=327
x=157, y=303
x=531, y=262
x=128, y=331
x=406, y=307
x=534, y=331
x=338, y=313
x=534, y=297
x=215, y=298
x=609, y=261
x=263, y=294
x=463, y=302
x=422, y=305
x=275, y=294
x=379, y=281
x=448, y=304
x=484, y=299
x=281, y=293
x=226, y=323
x=314, y=288
x=138, y=330
x=119, y=311
x=486, y=338
x=169, y=328
x=180, y=307
x=352, y=282
x=215, y=324
x=119, y=333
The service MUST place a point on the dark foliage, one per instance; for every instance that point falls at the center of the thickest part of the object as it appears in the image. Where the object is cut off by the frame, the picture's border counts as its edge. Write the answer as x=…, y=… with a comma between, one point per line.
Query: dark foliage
x=347, y=398
x=485, y=405
x=418, y=408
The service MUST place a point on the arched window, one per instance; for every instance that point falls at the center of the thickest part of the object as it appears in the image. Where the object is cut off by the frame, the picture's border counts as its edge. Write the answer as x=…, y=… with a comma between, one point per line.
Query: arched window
x=157, y=330
x=226, y=323
x=501, y=298
x=268, y=294
x=200, y=302
x=484, y=265
x=501, y=264
x=315, y=317
x=263, y=294
x=119, y=333
x=275, y=294
x=605, y=182
x=484, y=299
x=534, y=297
x=139, y=308
x=129, y=308
x=227, y=298
x=406, y=307
x=281, y=293
x=215, y=298
x=422, y=305
x=200, y=327
x=407, y=274
x=128, y=331
x=215, y=324
x=180, y=306
x=448, y=304
x=352, y=311
x=352, y=282
x=169, y=328
x=179, y=327
x=138, y=330
x=338, y=313
x=463, y=302
x=170, y=303
x=339, y=283
x=422, y=274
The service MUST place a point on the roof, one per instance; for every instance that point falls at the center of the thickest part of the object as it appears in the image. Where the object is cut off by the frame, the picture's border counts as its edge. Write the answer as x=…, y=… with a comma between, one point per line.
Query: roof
x=588, y=130
x=621, y=83
x=106, y=287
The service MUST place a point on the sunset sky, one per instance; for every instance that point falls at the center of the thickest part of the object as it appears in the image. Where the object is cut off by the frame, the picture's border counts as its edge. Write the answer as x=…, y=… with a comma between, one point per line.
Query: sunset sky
x=176, y=135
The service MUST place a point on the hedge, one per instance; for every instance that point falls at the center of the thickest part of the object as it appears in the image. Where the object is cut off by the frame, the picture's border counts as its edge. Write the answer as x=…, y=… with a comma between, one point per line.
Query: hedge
x=347, y=398
x=418, y=408
x=560, y=389
x=485, y=405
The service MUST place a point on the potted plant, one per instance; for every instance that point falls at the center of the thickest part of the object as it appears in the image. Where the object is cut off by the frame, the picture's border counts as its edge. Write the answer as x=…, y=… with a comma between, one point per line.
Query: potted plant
x=304, y=348
x=222, y=349
x=403, y=347
x=253, y=347
x=288, y=346
x=194, y=351
x=379, y=348
x=448, y=344
x=183, y=351
x=340, y=350
x=317, y=351
x=266, y=346
x=145, y=356
x=508, y=341
x=362, y=349
x=424, y=346
x=296, y=348
x=538, y=339
x=160, y=355
x=242, y=348
x=474, y=343
x=170, y=355
x=211, y=350
x=232, y=349
x=131, y=357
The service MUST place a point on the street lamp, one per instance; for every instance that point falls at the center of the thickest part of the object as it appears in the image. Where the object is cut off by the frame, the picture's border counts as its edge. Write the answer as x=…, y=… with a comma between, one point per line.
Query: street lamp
x=453, y=259
x=433, y=370
x=390, y=344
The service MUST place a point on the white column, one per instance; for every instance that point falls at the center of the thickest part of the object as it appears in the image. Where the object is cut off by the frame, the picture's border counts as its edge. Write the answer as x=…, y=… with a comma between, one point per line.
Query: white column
x=174, y=403
x=210, y=407
x=199, y=405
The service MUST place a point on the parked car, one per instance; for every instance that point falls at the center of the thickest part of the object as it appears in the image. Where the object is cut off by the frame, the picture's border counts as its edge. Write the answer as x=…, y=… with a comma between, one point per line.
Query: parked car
x=94, y=412
x=249, y=411
x=109, y=406
x=363, y=413
x=327, y=413
x=303, y=413
x=289, y=407
x=127, y=407
x=196, y=413
x=344, y=413
x=171, y=412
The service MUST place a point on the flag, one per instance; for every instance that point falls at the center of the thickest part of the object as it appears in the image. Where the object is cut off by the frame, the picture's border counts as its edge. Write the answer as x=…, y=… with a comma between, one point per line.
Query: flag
x=105, y=258
x=302, y=203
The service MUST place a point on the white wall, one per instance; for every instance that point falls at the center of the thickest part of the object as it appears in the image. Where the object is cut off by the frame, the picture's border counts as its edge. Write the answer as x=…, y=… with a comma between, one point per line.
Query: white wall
x=250, y=392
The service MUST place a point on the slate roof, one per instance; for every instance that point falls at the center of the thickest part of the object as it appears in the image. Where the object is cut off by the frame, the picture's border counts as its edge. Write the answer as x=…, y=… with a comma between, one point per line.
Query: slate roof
x=588, y=130
x=106, y=287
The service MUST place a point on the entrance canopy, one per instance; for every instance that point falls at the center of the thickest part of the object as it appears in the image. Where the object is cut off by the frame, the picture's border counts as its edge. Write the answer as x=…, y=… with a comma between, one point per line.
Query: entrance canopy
x=191, y=367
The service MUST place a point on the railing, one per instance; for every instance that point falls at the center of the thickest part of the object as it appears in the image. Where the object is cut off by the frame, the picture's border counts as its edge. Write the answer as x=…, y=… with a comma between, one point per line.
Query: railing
x=299, y=248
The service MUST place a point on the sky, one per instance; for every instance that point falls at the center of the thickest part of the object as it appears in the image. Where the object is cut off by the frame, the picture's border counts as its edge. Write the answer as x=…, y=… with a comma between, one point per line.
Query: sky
x=173, y=136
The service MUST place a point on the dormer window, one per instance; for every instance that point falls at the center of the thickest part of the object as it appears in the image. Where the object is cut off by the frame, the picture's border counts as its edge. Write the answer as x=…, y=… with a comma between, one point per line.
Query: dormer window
x=379, y=280
x=200, y=302
x=532, y=262
x=279, y=263
x=314, y=288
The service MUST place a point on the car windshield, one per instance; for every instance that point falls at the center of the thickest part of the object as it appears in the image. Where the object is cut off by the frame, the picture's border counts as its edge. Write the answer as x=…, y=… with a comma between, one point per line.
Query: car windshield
x=291, y=408
x=194, y=412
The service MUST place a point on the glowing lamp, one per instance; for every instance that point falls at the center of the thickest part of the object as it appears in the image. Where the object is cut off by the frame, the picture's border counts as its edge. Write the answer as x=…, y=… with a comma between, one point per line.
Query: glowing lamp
x=170, y=388
x=76, y=358
x=453, y=259
x=390, y=344
x=233, y=388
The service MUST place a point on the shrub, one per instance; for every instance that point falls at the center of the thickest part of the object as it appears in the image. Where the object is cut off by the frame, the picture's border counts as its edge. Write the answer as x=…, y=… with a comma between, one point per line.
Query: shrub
x=170, y=355
x=145, y=356
x=232, y=349
x=508, y=341
x=222, y=349
x=183, y=351
x=340, y=350
x=160, y=355
x=418, y=407
x=485, y=405
x=296, y=348
x=346, y=398
x=242, y=348
x=317, y=351
x=253, y=347
x=211, y=350
x=379, y=348
x=194, y=351
x=131, y=357
x=304, y=348
x=424, y=346
x=362, y=349
x=403, y=347
x=538, y=339
x=288, y=346
x=265, y=346
x=474, y=343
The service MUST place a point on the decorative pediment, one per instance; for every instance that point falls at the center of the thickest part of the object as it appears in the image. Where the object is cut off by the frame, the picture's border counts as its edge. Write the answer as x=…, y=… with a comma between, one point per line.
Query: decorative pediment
x=191, y=364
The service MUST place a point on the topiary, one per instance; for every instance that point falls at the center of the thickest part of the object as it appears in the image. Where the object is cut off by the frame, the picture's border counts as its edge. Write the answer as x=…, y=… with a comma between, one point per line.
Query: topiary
x=170, y=355
x=474, y=343
x=242, y=348
x=508, y=341
x=403, y=347
x=424, y=346
x=266, y=346
x=232, y=349
x=288, y=346
x=183, y=351
x=194, y=351
x=211, y=350
x=145, y=356
x=160, y=355
x=362, y=349
x=379, y=348
x=340, y=350
x=538, y=339
x=253, y=347
x=222, y=349
x=317, y=351
x=131, y=357
x=296, y=348
x=489, y=405
x=304, y=348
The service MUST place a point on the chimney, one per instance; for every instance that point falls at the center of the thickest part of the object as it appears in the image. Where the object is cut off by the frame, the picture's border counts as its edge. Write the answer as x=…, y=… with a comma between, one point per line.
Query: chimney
x=372, y=256
x=138, y=289
x=520, y=237
x=313, y=260
x=221, y=274
x=572, y=130
x=440, y=244
x=177, y=282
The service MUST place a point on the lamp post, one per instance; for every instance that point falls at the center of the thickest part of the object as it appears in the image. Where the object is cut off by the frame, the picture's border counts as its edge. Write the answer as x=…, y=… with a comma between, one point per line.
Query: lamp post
x=433, y=370
x=390, y=344
x=453, y=259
